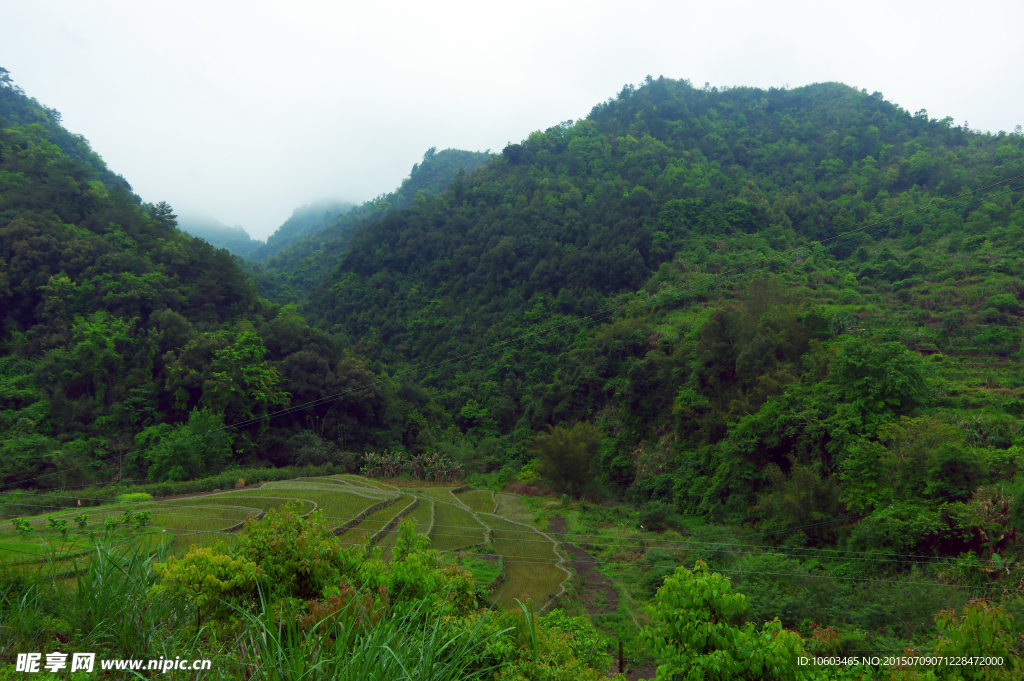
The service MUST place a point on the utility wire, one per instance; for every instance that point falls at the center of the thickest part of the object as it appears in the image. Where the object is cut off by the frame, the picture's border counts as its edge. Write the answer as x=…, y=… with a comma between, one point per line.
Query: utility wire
x=371, y=524
x=241, y=493
x=528, y=560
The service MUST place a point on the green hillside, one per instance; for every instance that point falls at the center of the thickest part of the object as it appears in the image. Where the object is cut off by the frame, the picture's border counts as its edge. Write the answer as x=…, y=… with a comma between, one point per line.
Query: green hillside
x=234, y=239
x=300, y=263
x=701, y=397
x=18, y=109
x=98, y=294
x=304, y=221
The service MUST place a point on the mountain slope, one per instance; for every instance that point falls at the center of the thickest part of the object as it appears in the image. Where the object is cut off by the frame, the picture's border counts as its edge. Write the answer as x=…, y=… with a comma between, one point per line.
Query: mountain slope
x=701, y=397
x=97, y=295
x=308, y=260
x=306, y=220
x=235, y=239
x=16, y=108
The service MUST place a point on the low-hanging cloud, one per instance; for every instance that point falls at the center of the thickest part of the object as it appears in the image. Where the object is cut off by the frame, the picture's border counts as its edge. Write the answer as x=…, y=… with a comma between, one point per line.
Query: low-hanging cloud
x=246, y=110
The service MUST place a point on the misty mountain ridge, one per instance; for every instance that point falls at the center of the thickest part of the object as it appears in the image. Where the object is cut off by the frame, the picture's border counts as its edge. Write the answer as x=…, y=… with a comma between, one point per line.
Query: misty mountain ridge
x=303, y=263
x=305, y=220
x=18, y=109
x=214, y=232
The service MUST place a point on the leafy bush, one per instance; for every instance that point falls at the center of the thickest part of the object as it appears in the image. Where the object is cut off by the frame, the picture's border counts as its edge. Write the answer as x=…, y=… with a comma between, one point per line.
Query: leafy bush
x=142, y=519
x=878, y=377
x=59, y=525
x=981, y=629
x=692, y=634
x=654, y=515
x=298, y=556
x=209, y=578
x=134, y=497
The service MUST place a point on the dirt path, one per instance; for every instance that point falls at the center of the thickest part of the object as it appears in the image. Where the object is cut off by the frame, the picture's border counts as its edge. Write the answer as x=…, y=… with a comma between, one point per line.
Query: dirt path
x=597, y=592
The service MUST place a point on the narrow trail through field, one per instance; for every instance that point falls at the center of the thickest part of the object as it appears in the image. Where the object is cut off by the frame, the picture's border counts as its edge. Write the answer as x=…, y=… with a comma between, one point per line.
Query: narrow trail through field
x=596, y=591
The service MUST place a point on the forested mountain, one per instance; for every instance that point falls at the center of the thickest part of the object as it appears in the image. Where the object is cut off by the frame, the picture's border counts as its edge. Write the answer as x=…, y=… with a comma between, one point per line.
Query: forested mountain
x=305, y=220
x=114, y=322
x=235, y=239
x=305, y=263
x=16, y=108
x=726, y=400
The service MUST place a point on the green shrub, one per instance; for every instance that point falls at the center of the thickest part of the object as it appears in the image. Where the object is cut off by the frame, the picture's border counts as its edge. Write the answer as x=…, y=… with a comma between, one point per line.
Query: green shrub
x=692, y=634
x=207, y=577
x=654, y=515
x=299, y=556
x=58, y=525
x=134, y=497
x=142, y=519
x=1004, y=302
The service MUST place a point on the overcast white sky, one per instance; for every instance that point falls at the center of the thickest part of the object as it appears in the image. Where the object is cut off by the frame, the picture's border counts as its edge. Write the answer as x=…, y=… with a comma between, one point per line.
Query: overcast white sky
x=245, y=110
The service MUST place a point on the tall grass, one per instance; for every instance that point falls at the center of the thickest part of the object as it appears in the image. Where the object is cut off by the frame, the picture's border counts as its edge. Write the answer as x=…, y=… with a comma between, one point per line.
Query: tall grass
x=111, y=606
x=407, y=645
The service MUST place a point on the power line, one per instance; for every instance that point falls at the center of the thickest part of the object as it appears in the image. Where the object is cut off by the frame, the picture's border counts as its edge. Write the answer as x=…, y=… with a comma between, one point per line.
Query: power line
x=544, y=333
x=242, y=493
x=790, y=574
x=615, y=543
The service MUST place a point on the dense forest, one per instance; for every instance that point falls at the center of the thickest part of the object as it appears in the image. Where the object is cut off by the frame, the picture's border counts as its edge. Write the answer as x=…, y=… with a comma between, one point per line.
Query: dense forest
x=794, y=312
x=658, y=190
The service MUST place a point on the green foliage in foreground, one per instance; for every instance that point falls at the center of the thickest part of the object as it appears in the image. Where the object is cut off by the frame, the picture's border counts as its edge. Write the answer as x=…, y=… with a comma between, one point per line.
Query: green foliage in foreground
x=695, y=635
x=692, y=635
x=288, y=601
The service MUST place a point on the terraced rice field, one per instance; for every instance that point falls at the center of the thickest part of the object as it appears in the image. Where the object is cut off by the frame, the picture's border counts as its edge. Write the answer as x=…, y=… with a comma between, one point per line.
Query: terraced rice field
x=250, y=499
x=455, y=527
x=359, y=481
x=532, y=566
x=338, y=506
x=453, y=522
x=512, y=508
x=480, y=500
x=382, y=518
x=372, y=526
x=422, y=515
